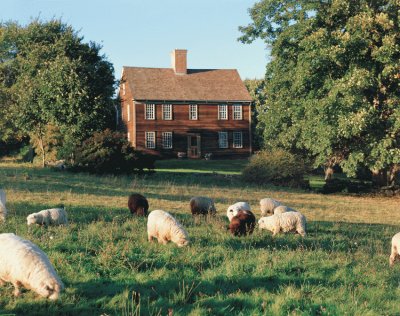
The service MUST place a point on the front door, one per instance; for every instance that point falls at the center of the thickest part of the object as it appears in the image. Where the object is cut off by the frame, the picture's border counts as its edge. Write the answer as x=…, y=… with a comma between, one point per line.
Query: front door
x=194, y=148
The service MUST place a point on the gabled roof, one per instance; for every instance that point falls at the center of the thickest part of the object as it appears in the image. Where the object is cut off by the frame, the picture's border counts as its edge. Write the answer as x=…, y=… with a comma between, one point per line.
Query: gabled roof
x=196, y=85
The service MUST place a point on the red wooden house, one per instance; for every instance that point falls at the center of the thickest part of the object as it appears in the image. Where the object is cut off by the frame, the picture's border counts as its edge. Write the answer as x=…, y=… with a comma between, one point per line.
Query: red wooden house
x=171, y=111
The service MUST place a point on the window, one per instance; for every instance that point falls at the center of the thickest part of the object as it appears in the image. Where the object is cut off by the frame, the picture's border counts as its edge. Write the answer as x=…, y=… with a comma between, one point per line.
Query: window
x=167, y=140
x=167, y=111
x=123, y=89
x=129, y=136
x=237, y=140
x=150, y=112
x=192, y=111
x=222, y=112
x=150, y=139
x=237, y=112
x=223, y=139
x=128, y=111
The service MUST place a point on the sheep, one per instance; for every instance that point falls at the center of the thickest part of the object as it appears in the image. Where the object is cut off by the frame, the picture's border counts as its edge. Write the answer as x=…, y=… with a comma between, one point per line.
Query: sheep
x=53, y=216
x=165, y=228
x=22, y=263
x=395, y=254
x=286, y=222
x=235, y=208
x=242, y=223
x=138, y=204
x=200, y=205
x=283, y=209
x=268, y=205
x=3, y=209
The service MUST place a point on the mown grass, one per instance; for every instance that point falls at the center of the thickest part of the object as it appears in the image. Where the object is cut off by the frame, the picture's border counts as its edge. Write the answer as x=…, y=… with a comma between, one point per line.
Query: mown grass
x=109, y=268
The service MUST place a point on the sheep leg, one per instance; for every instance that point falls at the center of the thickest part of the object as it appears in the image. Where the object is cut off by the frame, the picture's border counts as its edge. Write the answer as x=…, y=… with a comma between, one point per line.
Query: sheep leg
x=163, y=241
x=17, y=291
x=393, y=256
x=2, y=282
x=150, y=238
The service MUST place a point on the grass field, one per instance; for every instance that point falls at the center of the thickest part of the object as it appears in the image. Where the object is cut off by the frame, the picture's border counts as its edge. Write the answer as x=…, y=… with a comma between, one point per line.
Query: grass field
x=109, y=268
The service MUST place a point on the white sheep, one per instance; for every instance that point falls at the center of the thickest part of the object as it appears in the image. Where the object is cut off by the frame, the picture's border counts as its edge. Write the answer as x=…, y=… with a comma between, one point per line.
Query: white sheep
x=3, y=209
x=268, y=205
x=235, y=208
x=283, y=209
x=395, y=254
x=22, y=263
x=285, y=222
x=165, y=228
x=53, y=216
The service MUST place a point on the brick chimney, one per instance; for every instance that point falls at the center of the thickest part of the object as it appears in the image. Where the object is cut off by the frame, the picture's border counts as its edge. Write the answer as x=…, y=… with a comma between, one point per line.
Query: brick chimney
x=179, y=62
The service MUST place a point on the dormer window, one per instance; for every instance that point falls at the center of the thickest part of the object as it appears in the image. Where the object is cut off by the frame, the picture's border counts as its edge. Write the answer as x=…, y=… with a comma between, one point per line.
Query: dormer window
x=150, y=112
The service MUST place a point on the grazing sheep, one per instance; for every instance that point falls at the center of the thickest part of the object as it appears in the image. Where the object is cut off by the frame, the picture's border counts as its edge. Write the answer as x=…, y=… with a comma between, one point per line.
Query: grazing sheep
x=3, y=210
x=283, y=209
x=285, y=222
x=395, y=254
x=200, y=205
x=138, y=204
x=242, y=223
x=22, y=263
x=165, y=228
x=235, y=208
x=53, y=216
x=268, y=205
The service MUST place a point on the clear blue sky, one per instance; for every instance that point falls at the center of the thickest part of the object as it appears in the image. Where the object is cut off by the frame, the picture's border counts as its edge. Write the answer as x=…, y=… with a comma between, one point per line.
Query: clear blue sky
x=143, y=32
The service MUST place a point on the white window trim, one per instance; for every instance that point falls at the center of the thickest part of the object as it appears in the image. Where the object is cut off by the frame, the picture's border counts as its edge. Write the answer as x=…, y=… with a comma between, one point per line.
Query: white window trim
x=241, y=112
x=154, y=137
x=164, y=135
x=195, y=117
x=153, y=111
x=219, y=140
x=129, y=136
x=123, y=89
x=165, y=106
x=220, y=106
x=240, y=145
x=128, y=111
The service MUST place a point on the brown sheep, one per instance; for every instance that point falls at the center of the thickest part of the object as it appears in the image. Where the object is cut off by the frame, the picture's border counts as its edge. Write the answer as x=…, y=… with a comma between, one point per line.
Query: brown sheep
x=200, y=205
x=242, y=223
x=138, y=204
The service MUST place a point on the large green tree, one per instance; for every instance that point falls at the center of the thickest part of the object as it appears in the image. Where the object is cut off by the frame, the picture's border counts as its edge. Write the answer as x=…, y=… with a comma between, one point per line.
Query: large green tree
x=55, y=82
x=333, y=83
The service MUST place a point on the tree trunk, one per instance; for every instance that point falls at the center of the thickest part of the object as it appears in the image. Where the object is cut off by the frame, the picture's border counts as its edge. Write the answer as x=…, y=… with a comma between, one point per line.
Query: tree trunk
x=380, y=177
x=42, y=150
x=394, y=174
x=328, y=173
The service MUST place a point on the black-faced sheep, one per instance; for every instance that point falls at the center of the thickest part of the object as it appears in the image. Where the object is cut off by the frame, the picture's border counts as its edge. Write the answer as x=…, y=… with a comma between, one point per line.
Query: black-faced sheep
x=138, y=204
x=22, y=263
x=242, y=223
x=165, y=228
x=200, y=205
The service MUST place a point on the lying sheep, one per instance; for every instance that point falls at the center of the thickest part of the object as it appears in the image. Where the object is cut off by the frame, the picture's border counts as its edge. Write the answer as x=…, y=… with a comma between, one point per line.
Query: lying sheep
x=138, y=204
x=165, y=228
x=268, y=205
x=3, y=209
x=395, y=254
x=283, y=209
x=285, y=222
x=53, y=216
x=242, y=223
x=22, y=263
x=200, y=205
x=235, y=208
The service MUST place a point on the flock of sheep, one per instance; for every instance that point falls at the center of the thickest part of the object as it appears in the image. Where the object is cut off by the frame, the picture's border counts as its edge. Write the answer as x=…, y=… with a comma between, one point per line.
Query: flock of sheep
x=24, y=264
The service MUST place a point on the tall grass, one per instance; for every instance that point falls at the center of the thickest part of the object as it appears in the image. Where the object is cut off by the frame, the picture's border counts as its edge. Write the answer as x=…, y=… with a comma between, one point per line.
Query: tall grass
x=109, y=268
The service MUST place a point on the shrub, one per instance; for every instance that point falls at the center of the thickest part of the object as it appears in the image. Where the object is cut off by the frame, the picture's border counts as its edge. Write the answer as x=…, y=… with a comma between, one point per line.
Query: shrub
x=110, y=152
x=277, y=167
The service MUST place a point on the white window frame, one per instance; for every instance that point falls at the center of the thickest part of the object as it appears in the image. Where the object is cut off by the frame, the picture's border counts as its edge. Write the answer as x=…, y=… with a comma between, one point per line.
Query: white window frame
x=149, y=111
x=222, y=111
x=223, y=142
x=148, y=137
x=128, y=111
x=237, y=139
x=193, y=112
x=123, y=89
x=167, y=111
x=128, y=136
x=167, y=140
x=237, y=112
